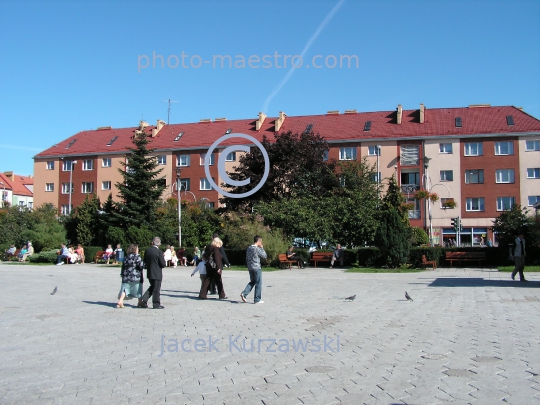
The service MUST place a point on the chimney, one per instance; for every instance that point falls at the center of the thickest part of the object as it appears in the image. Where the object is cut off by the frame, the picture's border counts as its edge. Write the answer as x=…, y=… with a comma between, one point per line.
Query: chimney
x=160, y=124
x=220, y=119
x=333, y=112
x=260, y=120
x=422, y=113
x=10, y=175
x=280, y=120
x=399, y=113
x=351, y=111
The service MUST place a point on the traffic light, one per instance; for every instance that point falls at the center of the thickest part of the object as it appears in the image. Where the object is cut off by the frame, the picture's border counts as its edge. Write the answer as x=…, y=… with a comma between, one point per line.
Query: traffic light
x=460, y=225
x=455, y=224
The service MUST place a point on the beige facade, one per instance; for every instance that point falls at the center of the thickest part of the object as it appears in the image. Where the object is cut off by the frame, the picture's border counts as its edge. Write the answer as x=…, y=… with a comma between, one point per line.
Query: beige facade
x=108, y=173
x=387, y=160
x=445, y=161
x=528, y=159
x=44, y=176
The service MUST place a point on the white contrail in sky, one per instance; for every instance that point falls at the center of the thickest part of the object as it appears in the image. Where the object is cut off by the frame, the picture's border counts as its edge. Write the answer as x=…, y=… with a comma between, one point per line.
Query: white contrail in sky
x=306, y=48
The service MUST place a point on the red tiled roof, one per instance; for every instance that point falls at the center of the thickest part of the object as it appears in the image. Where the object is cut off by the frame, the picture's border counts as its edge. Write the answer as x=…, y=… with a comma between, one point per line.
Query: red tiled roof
x=333, y=127
x=18, y=185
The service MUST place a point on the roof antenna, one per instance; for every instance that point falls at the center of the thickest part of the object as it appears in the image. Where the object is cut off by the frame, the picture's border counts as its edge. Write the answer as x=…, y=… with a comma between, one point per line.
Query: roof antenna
x=169, y=109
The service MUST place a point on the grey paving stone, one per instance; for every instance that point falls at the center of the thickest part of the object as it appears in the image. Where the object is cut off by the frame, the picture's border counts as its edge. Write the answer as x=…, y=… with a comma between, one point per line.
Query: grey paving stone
x=76, y=347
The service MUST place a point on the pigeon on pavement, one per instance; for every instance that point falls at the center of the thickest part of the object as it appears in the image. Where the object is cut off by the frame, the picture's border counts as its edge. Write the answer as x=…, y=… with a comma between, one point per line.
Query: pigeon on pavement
x=408, y=297
x=351, y=298
x=54, y=291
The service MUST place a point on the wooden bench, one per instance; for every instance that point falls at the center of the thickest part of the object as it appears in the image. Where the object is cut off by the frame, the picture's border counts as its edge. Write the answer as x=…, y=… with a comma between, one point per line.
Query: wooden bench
x=426, y=262
x=11, y=257
x=320, y=257
x=283, y=260
x=99, y=256
x=465, y=257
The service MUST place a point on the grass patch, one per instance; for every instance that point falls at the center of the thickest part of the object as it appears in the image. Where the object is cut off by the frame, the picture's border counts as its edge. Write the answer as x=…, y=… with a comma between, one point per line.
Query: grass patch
x=28, y=264
x=528, y=269
x=383, y=270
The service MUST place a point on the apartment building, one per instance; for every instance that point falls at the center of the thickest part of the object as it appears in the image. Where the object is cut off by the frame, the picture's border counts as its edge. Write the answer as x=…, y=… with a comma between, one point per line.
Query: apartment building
x=482, y=157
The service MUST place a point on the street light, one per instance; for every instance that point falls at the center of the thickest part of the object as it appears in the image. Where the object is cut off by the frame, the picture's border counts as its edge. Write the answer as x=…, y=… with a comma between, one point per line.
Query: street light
x=70, y=183
x=427, y=186
x=378, y=147
x=178, y=171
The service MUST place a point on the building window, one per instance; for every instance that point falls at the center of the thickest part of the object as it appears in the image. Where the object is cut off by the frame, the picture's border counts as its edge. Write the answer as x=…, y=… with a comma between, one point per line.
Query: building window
x=88, y=164
x=475, y=204
x=106, y=162
x=504, y=176
x=410, y=182
x=105, y=185
x=162, y=159
x=376, y=177
x=347, y=153
x=183, y=160
x=210, y=204
x=445, y=148
x=68, y=165
x=87, y=187
x=415, y=212
x=448, y=203
x=505, y=203
x=65, y=209
x=374, y=150
x=22, y=203
x=205, y=184
x=185, y=184
x=50, y=165
x=447, y=175
x=49, y=186
x=409, y=155
x=533, y=173
x=474, y=149
x=203, y=157
x=231, y=157
x=65, y=188
x=325, y=155
x=504, y=148
x=342, y=181
x=533, y=199
x=30, y=204
x=475, y=176
x=530, y=146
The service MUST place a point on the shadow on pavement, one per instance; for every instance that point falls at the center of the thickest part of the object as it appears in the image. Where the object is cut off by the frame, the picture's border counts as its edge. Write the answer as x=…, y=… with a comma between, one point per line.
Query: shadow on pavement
x=105, y=304
x=480, y=282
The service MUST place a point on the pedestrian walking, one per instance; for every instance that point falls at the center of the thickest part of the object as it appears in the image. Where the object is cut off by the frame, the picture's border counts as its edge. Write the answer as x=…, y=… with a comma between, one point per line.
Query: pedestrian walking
x=154, y=263
x=214, y=267
x=254, y=254
x=132, y=277
x=201, y=269
x=518, y=254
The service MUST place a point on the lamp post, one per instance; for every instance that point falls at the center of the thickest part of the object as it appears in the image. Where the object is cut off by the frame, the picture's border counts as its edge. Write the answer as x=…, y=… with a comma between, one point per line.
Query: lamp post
x=72, y=163
x=178, y=186
x=427, y=186
x=378, y=147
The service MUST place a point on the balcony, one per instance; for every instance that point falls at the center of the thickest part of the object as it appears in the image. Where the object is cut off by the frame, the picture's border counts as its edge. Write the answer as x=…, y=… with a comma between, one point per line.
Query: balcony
x=410, y=188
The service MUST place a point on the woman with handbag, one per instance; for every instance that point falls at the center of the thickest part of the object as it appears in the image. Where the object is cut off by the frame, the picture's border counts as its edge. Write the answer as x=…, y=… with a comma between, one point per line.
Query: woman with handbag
x=132, y=277
x=214, y=268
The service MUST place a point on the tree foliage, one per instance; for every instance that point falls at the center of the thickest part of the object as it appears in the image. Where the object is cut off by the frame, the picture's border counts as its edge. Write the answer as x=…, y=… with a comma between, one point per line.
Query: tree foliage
x=394, y=198
x=393, y=237
x=510, y=223
x=297, y=169
x=141, y=188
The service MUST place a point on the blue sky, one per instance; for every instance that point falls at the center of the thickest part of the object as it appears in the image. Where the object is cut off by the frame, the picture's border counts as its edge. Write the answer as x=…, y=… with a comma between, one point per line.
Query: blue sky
x=68, y=66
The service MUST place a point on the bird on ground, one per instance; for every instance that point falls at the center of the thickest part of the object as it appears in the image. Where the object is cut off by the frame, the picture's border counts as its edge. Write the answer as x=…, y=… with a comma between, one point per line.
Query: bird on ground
x=54, y=291
x=408, y=297
x=351, y=298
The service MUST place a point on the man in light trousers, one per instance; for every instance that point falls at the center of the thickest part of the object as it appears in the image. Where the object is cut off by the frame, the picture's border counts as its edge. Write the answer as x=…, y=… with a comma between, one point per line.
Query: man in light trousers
x=254, y=254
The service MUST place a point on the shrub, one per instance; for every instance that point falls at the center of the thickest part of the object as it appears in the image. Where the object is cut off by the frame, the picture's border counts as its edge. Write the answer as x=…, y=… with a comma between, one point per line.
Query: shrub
x=419, y=237
x=48, y=256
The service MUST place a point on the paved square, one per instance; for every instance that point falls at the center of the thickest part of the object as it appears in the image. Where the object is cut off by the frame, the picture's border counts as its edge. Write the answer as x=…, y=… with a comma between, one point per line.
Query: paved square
x=469, y=336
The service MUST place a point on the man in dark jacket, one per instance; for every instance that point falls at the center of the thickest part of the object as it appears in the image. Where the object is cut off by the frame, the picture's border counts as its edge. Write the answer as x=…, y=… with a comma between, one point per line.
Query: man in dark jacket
x=518, y=254
x=154, y=263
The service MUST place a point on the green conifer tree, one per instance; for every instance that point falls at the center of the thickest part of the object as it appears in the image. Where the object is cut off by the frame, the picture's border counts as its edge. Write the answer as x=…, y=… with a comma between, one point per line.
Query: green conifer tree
x=142, y=187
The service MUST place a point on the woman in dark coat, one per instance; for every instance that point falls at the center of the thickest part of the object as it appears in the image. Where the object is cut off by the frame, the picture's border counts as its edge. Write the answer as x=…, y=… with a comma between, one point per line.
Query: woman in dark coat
x=215, y=250
x=132, y=276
